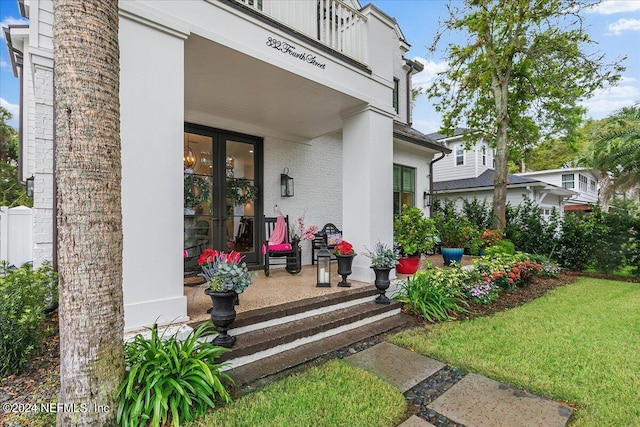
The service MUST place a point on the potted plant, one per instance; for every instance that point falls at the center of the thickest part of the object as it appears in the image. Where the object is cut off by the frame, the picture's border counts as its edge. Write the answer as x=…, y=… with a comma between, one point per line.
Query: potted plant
x=411, y=231
x=456, y=234
x=344, y=253
x=226, y=276
x=489, y=238
x=383, y=259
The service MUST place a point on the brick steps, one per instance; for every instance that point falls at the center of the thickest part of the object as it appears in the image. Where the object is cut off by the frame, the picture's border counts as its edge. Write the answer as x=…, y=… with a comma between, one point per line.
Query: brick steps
x=273, y=339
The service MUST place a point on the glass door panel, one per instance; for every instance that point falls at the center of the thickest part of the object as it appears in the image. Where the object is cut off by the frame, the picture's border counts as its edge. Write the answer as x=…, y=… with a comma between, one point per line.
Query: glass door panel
x=221, y=198
x=241, y=195
x=198, y=190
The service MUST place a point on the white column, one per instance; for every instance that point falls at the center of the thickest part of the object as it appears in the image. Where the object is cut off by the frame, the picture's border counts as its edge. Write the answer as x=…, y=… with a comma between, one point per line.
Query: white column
x=367, y=171
x=152, y=126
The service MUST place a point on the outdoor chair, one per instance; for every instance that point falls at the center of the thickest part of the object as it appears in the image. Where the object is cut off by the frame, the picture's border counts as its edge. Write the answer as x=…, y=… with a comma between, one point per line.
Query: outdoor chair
x=329, y=236
x=275, y=252
x=191, y=255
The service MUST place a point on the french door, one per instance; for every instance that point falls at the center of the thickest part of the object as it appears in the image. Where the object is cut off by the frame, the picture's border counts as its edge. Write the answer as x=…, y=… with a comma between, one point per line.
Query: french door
x=222, y=191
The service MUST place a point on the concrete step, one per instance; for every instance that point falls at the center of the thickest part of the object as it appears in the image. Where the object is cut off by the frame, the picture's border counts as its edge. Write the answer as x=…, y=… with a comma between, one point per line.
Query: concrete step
x=288, y=359
x=274, y=338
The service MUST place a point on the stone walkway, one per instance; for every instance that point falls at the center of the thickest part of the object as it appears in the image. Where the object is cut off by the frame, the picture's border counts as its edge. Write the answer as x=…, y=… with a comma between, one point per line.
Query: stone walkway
x=449, y=398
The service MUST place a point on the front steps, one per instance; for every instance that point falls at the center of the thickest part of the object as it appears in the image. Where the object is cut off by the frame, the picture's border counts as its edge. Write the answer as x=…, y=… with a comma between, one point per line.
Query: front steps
x=274, y=339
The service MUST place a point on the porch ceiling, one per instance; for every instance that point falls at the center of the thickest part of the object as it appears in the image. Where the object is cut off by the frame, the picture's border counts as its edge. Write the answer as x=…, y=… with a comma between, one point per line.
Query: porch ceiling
x=234, y=87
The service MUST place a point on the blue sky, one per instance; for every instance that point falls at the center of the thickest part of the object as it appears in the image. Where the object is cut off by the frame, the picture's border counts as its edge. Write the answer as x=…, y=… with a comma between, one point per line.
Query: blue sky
x=614, y=25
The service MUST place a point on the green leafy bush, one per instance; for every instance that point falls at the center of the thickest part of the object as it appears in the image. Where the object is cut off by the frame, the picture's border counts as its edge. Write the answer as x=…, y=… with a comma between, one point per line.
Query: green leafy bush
x=529, y=230
x=480, y=213
x=24, y=294
x=434, y=294
x=501, y=247
x=169, y=378
x=411, y=231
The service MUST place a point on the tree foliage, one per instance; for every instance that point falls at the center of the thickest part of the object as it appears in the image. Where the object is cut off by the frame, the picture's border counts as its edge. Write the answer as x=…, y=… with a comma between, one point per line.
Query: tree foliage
x=12, y=192
x=525, y=66
x=615, y=150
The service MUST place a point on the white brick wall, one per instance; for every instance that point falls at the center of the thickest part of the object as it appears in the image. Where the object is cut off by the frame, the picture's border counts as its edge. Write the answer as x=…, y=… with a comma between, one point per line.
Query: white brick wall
x=41, y=144
x=317, y=172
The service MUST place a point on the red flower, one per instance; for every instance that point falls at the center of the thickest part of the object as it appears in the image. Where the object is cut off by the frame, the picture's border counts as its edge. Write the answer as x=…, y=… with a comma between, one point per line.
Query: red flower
x=208, y=256
x=511, y=281
x=343, y=248
x=487, y=279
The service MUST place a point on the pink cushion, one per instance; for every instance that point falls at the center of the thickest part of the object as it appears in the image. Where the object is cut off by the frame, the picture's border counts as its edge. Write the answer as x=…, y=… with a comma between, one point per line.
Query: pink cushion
x=281, y=247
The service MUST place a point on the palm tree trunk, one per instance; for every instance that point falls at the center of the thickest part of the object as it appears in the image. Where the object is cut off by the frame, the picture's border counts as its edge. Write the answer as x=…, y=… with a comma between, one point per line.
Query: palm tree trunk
x=89, y=217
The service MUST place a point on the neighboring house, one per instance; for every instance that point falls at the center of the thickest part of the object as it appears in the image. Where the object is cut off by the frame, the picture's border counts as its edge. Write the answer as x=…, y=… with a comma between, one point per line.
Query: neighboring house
x=468, y=174
x=584, y=181
x=221, y=99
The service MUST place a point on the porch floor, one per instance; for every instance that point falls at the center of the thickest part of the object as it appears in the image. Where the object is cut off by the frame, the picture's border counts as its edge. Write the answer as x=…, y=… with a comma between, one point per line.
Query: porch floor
x=280, y=287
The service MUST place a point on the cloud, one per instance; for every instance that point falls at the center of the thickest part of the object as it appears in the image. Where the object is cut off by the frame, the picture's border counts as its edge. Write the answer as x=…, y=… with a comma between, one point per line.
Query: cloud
x=624, y=24
x=609, y=7
x=10, y=20
x=426, y=126
x=3, y=64
x=428, y=75
x=609, y=100
x=14, y=109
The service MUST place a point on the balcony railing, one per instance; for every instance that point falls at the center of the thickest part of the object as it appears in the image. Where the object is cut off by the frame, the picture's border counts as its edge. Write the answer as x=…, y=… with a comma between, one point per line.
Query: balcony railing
x=332, y=22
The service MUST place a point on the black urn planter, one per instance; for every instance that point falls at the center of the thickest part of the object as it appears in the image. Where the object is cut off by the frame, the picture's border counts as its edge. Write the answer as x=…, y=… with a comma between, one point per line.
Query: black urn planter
x=344, y=268
x=222, y=316
x=382, y=283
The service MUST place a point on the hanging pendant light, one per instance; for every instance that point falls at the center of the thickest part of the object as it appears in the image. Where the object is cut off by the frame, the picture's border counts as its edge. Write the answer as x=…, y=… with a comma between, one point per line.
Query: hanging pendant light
x=188, y=158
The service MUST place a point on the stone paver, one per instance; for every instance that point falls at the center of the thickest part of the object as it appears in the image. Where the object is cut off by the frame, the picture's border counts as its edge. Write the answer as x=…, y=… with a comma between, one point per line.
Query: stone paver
x=476, y=401
x=416, y=422
x=398, y=366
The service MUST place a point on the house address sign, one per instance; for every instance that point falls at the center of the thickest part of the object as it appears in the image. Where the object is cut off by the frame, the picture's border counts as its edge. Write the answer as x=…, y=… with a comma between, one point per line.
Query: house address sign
x=289, y=49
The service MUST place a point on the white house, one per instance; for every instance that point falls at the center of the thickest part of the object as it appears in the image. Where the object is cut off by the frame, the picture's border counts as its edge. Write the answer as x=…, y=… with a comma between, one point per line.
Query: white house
x=584, y=182
x=465, y=174
x=237, y=93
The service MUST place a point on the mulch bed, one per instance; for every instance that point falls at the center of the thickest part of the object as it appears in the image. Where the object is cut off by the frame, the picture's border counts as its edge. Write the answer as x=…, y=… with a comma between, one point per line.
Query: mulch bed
x=39, y=382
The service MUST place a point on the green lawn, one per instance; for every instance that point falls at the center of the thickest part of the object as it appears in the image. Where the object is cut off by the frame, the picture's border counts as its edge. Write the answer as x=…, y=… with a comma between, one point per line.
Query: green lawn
x=579, y=343
x=331, y=395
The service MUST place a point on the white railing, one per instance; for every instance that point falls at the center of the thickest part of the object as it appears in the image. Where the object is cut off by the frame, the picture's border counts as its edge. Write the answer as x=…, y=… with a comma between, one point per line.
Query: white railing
x=16, y=237
x=332, y=22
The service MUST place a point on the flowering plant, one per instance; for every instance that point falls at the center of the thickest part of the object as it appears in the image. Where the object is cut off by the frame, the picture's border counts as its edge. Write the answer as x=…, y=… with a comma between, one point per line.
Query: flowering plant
x=490, y=237
x=383, y=256
x=224, y=271
x=300, y=232
x=343, y=248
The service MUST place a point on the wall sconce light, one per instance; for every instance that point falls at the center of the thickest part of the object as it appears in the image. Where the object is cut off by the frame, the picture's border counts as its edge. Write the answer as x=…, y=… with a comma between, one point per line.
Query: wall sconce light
x=30, y=184
x=426, y=199
x=286, y=184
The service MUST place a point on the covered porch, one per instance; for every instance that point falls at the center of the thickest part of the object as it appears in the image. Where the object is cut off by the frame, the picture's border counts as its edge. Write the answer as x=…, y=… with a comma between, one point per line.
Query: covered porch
x=277, y=289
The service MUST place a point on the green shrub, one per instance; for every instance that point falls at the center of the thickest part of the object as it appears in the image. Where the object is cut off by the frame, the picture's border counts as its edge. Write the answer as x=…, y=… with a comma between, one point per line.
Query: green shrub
x=411, y=231
x=480, y=213
x=434, y=294
x=501, y=247
x=169, y=378
x=529, y=230
x=24, y=294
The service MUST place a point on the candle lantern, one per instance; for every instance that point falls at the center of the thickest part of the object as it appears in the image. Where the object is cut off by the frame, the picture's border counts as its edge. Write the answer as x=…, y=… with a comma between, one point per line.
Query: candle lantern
x=324, y=268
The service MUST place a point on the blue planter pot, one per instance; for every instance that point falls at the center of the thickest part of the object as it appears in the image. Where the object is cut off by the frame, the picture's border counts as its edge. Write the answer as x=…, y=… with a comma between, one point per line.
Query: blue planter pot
x=452, y=254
